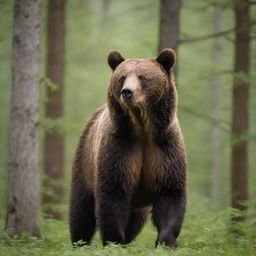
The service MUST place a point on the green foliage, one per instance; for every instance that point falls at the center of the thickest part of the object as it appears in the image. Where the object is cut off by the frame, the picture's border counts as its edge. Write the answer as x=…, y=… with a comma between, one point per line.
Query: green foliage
x=205, y=232
x=46, y=82
x=241, y=77
x=59, y=125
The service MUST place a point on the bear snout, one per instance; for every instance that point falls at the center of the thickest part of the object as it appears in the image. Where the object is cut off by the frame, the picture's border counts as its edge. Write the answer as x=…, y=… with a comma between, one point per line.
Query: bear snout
x=127, y=94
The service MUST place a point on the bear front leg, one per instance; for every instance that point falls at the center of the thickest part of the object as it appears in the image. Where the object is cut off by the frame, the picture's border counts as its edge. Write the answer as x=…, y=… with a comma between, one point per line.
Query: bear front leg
x=168, y=214
x=118, y=161
x=113, y=207
x=136, y=222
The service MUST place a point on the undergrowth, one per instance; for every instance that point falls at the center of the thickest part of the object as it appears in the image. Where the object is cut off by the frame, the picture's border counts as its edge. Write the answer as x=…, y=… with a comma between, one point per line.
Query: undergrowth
x=205, y=232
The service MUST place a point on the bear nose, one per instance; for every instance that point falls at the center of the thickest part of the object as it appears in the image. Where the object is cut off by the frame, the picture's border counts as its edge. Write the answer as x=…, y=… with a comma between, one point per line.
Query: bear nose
x=126, y=93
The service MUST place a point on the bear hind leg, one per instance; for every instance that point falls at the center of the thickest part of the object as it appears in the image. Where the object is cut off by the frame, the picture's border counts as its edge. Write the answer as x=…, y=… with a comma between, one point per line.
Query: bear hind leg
x=135, y=223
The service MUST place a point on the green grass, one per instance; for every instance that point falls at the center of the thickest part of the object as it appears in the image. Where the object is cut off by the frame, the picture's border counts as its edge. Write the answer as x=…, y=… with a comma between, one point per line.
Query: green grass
x=205, y=232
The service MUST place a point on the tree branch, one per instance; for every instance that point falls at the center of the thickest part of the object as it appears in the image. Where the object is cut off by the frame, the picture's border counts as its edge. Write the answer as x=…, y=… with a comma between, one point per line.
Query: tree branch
x=221, y=123
x=213, y=35
x=209, y=36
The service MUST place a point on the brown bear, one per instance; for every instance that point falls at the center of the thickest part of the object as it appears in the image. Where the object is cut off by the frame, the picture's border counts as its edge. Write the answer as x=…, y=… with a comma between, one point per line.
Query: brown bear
x=130, y=157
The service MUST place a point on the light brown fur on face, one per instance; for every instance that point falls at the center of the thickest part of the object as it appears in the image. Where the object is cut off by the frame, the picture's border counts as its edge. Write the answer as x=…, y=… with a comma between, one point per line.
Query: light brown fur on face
x=132, y=82
x=130, y=73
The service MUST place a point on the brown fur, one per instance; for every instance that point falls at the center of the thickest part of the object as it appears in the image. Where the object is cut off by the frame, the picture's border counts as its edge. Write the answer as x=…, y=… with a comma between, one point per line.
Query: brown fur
x=131, y=155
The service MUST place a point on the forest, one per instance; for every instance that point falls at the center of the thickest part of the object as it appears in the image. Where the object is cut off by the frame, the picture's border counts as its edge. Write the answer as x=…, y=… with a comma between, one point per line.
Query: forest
x=54, y=75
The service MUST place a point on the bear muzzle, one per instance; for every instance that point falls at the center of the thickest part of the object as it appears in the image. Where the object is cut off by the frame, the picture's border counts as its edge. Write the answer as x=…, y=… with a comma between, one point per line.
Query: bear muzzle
x=126, y=94
x=131, y=92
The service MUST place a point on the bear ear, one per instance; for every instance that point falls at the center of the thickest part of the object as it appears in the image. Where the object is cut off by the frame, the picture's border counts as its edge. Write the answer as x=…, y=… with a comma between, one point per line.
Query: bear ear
x=114, y=59
x=166, y=58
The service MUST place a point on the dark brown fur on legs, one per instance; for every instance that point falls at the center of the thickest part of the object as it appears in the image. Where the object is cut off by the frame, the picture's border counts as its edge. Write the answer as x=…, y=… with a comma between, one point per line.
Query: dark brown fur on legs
x=136, y=222
x=82, y=217
x=167, y=215
x=131, y=157
x=82, y=203
x=114, y=189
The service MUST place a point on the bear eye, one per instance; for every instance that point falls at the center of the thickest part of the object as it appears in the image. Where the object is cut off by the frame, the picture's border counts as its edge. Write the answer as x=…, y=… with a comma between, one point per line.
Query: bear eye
x=143, y=81
x=121, y=79
x=142, y=78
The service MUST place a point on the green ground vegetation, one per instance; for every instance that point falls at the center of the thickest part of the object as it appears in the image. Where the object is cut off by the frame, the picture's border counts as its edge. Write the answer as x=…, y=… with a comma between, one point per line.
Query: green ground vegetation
x=205, y=233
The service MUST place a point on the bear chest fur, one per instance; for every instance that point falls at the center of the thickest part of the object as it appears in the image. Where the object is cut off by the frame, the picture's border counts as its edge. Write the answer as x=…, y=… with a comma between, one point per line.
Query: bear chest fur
x=147, y=172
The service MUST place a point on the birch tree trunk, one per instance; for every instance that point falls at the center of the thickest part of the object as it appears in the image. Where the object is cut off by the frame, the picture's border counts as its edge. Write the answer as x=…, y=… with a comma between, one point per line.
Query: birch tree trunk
x=240, y=112
x=215, y=105
x=54, y=142
x=23, y=170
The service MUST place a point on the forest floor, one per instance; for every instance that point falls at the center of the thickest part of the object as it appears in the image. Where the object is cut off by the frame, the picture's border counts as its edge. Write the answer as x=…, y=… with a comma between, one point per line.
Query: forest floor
x=204, y=233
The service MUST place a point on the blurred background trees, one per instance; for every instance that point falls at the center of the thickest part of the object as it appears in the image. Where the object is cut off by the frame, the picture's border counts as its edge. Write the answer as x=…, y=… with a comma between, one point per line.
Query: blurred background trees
x=216, y=51
x=240, y=102
x=215, y=91
x=53, y=165
x=169, y=27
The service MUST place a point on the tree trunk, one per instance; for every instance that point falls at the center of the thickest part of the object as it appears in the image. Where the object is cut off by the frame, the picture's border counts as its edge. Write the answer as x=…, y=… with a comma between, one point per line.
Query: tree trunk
x=23, y=192
x=105, y=6
x=54, y=142
x=215, y=104
x=239, y=151
x=104, y=10
x=169, y=25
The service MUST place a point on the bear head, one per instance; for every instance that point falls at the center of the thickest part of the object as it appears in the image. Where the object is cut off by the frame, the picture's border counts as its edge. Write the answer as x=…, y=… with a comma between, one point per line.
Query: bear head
x=137, y=81
x=143, y=88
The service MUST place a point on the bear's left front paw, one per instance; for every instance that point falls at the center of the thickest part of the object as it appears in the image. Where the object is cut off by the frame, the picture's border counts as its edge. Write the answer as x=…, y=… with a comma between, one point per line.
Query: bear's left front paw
x=166, y=238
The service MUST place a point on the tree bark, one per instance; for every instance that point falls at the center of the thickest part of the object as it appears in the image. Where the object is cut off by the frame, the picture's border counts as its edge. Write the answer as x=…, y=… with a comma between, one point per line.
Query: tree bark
x=54, y=142
x=240, y=113
x=104, y=11
x=215, y=136
x=169, y=25
x=23, y=192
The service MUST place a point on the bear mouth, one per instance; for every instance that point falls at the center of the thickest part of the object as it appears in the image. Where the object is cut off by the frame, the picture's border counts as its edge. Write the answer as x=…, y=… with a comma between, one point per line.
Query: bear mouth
x=129, y=102
x=132, y=101
x=126, y=101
